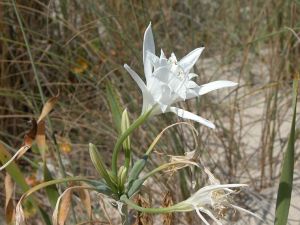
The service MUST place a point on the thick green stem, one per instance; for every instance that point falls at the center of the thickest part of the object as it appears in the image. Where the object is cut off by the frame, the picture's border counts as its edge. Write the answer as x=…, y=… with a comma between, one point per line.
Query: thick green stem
x=169, y=209
x=123, y=137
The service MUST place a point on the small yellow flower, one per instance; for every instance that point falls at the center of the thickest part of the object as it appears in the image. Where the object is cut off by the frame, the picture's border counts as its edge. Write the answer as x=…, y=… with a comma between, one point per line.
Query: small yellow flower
x=81, y=66
x=65, y=147
x=32, y=180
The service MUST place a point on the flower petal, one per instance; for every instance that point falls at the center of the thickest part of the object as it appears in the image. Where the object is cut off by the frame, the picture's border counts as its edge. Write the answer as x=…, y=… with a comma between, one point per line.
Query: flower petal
x=148, y=46
x=200, y=215
x=188, y=61
x=163, y=74
x=246, y=211
x=136, y=78
x=188, y=115
x=192, y=75
x=205, y=88
x=162, y=54
x=209, y=213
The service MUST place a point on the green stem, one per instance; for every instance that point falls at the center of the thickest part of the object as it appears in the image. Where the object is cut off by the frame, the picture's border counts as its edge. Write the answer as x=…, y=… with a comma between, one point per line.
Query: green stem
x=169, y=209
x=122, y=138
x=127, y=159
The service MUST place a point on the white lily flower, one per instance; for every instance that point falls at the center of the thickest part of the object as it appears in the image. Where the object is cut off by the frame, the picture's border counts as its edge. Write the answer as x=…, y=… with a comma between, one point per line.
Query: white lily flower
x=213, y=200
x=169, y=81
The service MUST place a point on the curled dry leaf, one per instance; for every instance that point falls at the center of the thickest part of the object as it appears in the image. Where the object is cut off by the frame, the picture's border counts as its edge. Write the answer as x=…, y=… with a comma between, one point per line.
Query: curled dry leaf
x=9, y=205
x=86, y=200
x=64, y=201
x=48, y=107
x=28, y=140
x=37, y=126
x=62, y=208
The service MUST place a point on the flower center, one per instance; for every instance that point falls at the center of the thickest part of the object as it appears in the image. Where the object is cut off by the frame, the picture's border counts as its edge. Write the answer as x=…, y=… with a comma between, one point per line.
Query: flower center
x=175, y=68
x=220, y=203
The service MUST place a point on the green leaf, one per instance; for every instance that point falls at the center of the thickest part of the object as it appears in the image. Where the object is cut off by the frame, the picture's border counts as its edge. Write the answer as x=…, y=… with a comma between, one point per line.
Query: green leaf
x=52, y=192
x=125, y=124
x=286, y=179
x=114, y=106
x=100, y=166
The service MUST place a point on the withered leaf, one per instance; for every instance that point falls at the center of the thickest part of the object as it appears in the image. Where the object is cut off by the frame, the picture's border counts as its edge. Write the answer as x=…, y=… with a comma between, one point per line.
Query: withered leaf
x=86, y=200
x=48, y=107
x=62, y=208
x=9, y=206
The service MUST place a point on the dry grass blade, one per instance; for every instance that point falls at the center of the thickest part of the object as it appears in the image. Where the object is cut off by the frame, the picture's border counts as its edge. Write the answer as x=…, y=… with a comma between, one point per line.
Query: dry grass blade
x=195, y=133
x=20, y=216
x=20, y=152
x=9, y=205
x=48, y=107
x=28, y=140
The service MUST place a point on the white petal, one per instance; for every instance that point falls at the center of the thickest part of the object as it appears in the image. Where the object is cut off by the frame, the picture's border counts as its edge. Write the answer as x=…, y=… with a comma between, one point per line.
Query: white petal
x=192, y=75
x=246, y=211
x=188, y=61
x=173, y=57
x=200, y=215
x=191, y=84
x=209, y=213
x=205, y=88
x=162, y=54
x=163, y=74
x=136, y=78
x=148, y=46
x=188, y=115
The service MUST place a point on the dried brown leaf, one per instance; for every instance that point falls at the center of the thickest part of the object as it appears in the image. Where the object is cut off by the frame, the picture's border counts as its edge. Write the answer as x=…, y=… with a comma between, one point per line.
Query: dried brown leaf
x=41, y=138
x=30, y=135
x=9, y=205
x=62, y=208
x=86, y=200
x=48, y=107
x=21, y=151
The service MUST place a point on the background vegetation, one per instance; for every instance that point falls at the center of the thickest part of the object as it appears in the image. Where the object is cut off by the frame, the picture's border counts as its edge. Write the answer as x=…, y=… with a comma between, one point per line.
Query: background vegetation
x=78, y=48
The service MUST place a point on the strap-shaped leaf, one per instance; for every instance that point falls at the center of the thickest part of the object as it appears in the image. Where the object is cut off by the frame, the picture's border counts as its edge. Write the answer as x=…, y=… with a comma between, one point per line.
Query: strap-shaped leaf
x=287, y=171
x=114, y=106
